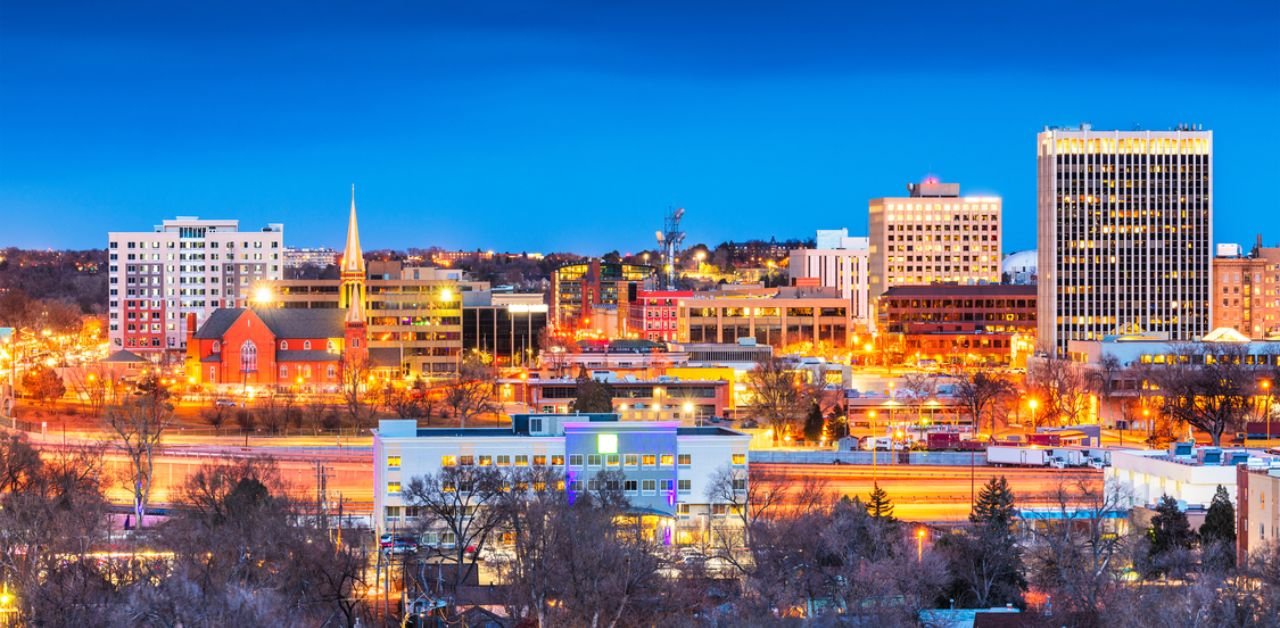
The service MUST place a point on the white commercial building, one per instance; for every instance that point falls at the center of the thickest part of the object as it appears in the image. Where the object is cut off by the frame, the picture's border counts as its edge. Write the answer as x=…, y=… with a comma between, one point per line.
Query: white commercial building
x=838, y=262
x=1186, y=473
x=186, y=266
x=667, y=469
x=1124, y=230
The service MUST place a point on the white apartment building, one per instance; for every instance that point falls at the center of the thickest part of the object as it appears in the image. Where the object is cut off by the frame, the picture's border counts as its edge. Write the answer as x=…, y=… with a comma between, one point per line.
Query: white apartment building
x=186, y=266
x=667, y=468
x=838, y=262
x=934, y=235
x=297, y=258
x=1125, y=222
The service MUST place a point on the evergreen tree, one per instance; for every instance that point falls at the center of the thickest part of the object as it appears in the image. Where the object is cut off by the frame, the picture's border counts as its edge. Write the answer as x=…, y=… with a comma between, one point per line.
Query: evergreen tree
x=985, y=560
x=1218, y=533
x=995, y=504
x=591, y=396
x=1169, y=535
x=813, y=422
x=879, y=506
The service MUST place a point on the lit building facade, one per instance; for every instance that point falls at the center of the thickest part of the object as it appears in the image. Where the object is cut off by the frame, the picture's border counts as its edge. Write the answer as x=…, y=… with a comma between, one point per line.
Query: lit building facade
x=666, y=469
x=1246, y=291
x=183, y=266
x=653, y=314
x=1257, y=509
x=1125, y=224
x=839, y=262
x=934, y=235
x=295, y=258
x=578, y=290
x=991, y=324
x=506, y=328
x=777, y=318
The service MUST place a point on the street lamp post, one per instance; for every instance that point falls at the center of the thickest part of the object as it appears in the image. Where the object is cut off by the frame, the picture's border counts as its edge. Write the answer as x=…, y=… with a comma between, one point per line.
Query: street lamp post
x=920, y=534
x=1266, y=409
x=1033, y=404
x=875, y=443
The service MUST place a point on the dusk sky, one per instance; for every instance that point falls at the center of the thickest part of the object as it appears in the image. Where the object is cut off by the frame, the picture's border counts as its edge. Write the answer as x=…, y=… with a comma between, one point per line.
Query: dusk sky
x=573, y=126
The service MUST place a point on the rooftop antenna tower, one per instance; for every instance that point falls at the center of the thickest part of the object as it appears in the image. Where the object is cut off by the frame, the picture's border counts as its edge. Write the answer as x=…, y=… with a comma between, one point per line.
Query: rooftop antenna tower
x=670, y=239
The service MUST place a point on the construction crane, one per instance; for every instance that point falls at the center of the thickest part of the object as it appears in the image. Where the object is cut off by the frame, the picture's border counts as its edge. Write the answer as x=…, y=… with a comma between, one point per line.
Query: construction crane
x=669, y=240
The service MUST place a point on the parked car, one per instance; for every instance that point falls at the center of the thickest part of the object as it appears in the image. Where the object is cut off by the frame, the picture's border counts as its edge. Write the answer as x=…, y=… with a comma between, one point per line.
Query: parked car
x=398, y=544
x=224, y=403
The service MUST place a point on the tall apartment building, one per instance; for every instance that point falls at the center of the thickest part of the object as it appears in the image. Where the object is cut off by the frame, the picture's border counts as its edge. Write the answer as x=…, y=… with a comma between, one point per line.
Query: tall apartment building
x=934, y=235
x=183, y=266
x=1124, y=228
x=838, y=262
x=1246, y=290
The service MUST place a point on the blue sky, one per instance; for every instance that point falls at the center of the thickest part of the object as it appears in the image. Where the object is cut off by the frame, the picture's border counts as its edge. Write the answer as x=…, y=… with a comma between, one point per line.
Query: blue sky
x=571, y=126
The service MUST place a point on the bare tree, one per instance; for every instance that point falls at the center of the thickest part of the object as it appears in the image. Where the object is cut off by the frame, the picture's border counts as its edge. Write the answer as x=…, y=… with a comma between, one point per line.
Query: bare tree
x=463, y=500
x=918, y=386
x=354, y=373
x=1080, y=555
x=1210, y=388
x=780, y=396
x=1062, y=389
x=471, y=393
x=980, y=391
x=215, y=414
x=138, y=426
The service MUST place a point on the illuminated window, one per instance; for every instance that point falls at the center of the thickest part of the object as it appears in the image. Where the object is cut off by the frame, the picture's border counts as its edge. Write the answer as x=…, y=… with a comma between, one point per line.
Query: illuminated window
x=504, y=461
x=466, y=461
x=668, y=460
x=448, y=461
x=393, y=488
x=539, y=461
x=393, y=462
x=739, y=459
x=611, y=460
x=486, y=461
x=649, y=460
x=522, y=461
x=557, y=461
x=248, y=357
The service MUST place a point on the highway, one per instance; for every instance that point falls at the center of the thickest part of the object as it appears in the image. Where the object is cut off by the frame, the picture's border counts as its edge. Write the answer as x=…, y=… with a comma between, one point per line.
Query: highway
x=932, y=493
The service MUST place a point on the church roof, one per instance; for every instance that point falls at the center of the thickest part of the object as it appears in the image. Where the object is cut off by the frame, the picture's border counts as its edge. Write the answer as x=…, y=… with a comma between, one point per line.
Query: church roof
x=352, y=256
x=284, y=323
x=310, y=355
x=216, y=326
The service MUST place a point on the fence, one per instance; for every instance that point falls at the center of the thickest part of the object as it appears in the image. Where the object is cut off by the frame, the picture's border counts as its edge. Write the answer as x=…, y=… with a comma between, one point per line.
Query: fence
x=947, y=458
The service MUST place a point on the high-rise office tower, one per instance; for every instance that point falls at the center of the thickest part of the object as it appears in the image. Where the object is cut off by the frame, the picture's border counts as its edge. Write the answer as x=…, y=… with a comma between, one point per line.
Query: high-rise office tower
x=183, y=266
x=934, y=235
x=1124, y=231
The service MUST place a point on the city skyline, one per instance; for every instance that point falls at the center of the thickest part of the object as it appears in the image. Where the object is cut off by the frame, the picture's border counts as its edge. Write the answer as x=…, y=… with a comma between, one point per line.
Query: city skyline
x=758, y=123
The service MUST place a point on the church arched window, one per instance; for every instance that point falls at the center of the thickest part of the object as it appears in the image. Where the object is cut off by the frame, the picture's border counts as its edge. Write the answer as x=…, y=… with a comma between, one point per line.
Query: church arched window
x=248, y=357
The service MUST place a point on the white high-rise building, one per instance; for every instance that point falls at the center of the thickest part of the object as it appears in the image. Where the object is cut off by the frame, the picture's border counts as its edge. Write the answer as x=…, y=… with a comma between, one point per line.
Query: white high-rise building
x=934, y=235
x=1124, y=230
x=183, y=266
x=839, y=262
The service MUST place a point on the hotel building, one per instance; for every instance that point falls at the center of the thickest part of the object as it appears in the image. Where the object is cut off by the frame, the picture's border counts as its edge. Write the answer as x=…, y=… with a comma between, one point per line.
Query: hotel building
x=1124, y=230
x=183, y=266
x=934, y=235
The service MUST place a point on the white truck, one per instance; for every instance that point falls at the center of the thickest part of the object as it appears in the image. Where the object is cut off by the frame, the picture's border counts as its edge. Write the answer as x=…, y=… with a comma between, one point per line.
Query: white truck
x=1007, y=456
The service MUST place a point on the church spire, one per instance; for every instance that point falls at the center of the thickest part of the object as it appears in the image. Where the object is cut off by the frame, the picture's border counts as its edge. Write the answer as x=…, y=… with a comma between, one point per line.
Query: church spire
x=351, y=270
x=352, y=256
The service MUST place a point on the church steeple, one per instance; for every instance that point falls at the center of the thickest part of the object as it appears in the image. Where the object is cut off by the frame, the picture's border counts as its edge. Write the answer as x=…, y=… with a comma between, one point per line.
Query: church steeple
x=352, y=271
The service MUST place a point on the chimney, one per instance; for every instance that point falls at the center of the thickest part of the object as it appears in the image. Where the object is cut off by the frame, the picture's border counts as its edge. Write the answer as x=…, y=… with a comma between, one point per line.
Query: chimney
x=191, y=326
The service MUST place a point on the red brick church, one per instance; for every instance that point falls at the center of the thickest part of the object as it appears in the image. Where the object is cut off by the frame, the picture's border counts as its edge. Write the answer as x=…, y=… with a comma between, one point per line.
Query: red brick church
x=289, y=347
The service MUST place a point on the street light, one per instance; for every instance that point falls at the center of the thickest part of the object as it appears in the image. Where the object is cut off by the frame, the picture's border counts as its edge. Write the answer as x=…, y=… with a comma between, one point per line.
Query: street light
x=920, y=534
x=688, y=410
x=1033, y=404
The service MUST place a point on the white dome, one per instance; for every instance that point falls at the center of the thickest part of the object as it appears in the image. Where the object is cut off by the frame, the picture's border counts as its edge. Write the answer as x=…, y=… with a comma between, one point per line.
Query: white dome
x=1020, y=262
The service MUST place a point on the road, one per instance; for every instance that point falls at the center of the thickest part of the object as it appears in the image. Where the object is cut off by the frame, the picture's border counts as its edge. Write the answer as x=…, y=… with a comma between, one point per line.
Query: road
x=933, y=493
